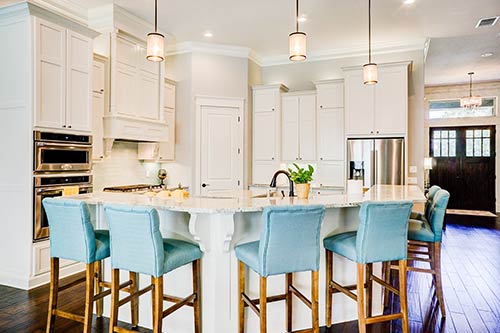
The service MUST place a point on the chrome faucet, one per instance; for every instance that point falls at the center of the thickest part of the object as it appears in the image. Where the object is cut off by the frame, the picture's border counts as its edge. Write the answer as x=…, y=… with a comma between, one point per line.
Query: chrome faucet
x=276, y=174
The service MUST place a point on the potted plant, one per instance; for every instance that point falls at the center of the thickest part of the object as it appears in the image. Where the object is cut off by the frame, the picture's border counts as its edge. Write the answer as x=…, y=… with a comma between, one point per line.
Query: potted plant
x=301, y=177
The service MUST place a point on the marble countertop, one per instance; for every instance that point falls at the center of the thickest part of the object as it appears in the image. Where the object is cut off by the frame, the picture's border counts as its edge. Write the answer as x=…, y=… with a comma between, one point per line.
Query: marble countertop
x=253, y=201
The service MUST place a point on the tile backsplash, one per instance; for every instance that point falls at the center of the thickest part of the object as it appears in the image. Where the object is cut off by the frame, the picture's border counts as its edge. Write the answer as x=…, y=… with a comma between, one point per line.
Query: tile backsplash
x=123, y=168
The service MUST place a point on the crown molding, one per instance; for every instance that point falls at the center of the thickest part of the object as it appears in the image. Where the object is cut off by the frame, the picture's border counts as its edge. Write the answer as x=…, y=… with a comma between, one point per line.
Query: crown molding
x=67, y=9
x=212, y=48
x=350, y=52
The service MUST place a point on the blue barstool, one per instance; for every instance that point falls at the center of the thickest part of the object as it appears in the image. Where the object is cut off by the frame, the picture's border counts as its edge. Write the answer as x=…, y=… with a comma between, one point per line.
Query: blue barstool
x=137, y=246
x=289, y=243
x=430, y=197
x=381, y=236
x=73, y=237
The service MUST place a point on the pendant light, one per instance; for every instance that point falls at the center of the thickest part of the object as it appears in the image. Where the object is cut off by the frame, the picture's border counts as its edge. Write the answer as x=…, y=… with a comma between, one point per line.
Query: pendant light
x=156, y=42
x=370, y=71
x=470, y=102
x=297, y=40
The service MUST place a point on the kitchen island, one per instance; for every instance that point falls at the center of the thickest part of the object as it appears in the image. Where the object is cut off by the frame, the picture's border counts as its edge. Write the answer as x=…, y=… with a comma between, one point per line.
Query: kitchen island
x=217, y=224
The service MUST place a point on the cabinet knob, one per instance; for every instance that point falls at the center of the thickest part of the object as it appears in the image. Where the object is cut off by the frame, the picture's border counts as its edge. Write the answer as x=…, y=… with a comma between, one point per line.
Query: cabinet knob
x=64, y=126
x=378, y=132
x=204, y=185
x=321, y=158
x=371, y=132
x=102, y=90
x=272, y=109
x=321, y=106
x=272, y=158
x=69, y=126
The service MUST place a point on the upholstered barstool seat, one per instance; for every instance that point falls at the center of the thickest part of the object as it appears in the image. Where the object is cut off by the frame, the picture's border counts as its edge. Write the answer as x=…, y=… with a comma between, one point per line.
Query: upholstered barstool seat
x=420, y=230
x=138, y=246
x=422, y=216
x=289, y=243
x=381, y=237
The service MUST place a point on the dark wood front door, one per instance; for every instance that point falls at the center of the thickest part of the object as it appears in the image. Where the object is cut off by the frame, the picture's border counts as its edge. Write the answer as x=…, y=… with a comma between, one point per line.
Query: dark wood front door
x=465, y=165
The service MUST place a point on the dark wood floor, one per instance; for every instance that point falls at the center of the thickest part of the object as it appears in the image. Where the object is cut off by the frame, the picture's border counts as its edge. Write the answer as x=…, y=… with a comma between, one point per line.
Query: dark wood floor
x=471, y=265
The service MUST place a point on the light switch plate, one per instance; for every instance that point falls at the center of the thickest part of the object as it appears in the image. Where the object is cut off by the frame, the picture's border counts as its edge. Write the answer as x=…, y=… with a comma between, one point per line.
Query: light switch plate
x=412, y=180
x=413, y=169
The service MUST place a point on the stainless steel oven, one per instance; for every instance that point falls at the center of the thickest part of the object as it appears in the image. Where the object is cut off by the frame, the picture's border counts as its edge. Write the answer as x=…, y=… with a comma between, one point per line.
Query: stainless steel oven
x=50, y=186
x=56, y=152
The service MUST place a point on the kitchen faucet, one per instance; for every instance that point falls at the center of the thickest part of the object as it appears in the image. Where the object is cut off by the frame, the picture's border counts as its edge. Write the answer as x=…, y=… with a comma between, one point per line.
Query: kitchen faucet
x=273, y=181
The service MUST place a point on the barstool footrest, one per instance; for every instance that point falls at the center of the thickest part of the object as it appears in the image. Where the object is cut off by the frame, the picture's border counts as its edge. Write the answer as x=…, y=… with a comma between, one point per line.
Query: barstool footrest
x=345, y=290
x=175, y=299
x=68, y=315
x=135, y=295
x=122, y=330
x=381, y=318
x=301, y=296
x=385, y=284
x=72, y=283
x=190, y=299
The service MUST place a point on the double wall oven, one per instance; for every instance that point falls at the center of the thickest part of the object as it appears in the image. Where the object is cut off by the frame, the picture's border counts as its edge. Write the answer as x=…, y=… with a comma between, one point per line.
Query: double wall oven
x=60, y=161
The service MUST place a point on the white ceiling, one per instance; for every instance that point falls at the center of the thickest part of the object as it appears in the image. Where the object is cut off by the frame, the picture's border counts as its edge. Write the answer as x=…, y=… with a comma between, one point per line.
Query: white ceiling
x=264, y=25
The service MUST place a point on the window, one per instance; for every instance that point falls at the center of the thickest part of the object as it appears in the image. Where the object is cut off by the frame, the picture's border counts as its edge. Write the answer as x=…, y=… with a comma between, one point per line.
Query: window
x=477, y=143
x=443, y=109
x=444, y=143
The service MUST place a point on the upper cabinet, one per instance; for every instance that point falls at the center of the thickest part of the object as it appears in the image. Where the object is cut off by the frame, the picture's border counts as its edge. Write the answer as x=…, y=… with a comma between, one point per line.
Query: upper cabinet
x=99, y=97
x=380, y=109
x=167, y=147
x=63, y=77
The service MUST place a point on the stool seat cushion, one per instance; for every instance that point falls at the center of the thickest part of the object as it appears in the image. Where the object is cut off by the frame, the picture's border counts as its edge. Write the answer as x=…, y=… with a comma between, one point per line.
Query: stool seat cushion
x=101, y=244
x=343, y=244
x=420, y=230
x=248, y=253
x=179, y=253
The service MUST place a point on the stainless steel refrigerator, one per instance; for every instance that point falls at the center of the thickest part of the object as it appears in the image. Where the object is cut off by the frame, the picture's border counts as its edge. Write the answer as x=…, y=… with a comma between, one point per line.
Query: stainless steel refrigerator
x=376, y=161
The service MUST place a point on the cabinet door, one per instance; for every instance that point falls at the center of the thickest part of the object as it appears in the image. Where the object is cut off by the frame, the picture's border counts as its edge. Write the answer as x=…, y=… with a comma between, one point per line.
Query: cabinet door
x=98, y=76
x=331, y=134
x=264, y=136
x=97, y=125
x=169, y=95
x=359, y=109
x=167, y=148
x=125, y=91
x=290, y=128
x=330, y=173
x=149, y=97
x=307, y=128
x=263, y=171
x=50, y=53
x=265, y=100
x=78, y=81
x=391, y=100
x=330, y=95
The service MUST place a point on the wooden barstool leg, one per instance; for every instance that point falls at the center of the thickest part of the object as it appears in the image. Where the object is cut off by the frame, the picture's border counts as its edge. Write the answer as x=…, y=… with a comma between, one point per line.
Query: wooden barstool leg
x=314, y=301
x=89, y=297
x=386, y=268
x=98, y=288
x=153, y=300
x=369, y=289
x=329, y=295
x=158, y=291
x=134, y=302
x=430, y=248
x=288, y=301
x=360, y=288
x=439, y=283
x=241, y=303
x=196, y=291
x=403, y=300
x=115, y=290
x=263, y=304
x=54, y=286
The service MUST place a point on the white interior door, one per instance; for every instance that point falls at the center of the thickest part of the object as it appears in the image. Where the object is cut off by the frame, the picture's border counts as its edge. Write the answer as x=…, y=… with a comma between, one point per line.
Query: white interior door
x=221, y=149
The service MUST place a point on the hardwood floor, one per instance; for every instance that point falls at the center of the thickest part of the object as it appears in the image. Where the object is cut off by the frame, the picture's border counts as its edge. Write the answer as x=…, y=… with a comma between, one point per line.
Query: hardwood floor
x=471, y=280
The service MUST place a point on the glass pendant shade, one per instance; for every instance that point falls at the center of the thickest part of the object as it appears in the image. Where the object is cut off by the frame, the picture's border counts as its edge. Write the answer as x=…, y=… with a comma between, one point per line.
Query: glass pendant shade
x=470, y=102
x=297, y=46
x=155, y=47
x=370, y=73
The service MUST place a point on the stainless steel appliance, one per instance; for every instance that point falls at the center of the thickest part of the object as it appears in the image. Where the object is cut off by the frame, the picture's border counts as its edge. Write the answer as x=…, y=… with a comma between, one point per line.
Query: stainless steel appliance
x=377, y=161
x=56, y=152
x=49, y=186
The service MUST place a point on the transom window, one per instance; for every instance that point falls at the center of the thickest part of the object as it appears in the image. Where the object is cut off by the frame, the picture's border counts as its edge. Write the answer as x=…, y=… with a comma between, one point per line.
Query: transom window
x=477, y=143
x=444, y=143
x=445, y=109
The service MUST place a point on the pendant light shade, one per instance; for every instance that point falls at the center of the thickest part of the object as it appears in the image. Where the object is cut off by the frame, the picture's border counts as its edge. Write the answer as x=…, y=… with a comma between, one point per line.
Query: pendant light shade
x=470, y=102
x=297, y=41
x=370, y=70
x=155, y=50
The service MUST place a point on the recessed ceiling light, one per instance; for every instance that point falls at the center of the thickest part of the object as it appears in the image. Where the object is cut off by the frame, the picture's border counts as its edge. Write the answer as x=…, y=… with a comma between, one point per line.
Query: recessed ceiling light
x=408, y=2
x=487, y=54
x=208, y=34
x=302, y=18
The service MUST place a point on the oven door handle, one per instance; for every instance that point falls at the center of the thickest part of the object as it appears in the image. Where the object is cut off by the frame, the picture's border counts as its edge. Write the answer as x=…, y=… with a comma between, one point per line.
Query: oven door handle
x=60, y=189
x=68, y=145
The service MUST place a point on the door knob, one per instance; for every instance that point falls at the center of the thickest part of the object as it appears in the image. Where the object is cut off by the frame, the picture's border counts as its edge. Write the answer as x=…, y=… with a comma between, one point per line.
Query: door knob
x=204, y=185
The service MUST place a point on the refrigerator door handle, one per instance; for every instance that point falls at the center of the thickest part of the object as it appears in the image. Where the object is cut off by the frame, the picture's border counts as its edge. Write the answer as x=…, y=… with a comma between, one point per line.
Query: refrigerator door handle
x=373, y=165
x=376, y=167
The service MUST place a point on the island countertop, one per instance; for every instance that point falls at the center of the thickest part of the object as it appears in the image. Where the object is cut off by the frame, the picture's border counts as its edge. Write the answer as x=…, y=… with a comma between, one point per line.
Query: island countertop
x=255, y=200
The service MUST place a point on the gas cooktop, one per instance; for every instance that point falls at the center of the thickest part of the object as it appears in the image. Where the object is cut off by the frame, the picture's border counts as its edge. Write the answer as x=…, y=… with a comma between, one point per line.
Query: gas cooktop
x=134, y=188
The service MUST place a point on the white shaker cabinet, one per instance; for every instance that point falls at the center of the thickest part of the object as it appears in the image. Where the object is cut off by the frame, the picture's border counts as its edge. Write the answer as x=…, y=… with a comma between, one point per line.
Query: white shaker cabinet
x=63, y=74
x=167, y=148
x=266, y=131
x=380, y=109
x=99, y=93
x=298, y=125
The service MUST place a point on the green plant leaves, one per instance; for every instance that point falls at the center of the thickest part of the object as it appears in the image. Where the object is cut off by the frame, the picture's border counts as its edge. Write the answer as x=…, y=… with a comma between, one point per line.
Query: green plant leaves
x=300, y=175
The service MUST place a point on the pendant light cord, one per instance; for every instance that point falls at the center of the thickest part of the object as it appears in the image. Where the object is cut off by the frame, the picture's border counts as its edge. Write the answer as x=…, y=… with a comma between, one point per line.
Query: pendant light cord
x=470, y=84
x=156, y=15
x=297, y=15
x=370, y=31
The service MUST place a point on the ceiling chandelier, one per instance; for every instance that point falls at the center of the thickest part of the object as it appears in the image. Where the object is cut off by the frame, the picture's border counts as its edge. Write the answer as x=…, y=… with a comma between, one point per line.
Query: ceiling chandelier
x=156, y=42
x=297, y=40
x=370, y=71
x=470, y=102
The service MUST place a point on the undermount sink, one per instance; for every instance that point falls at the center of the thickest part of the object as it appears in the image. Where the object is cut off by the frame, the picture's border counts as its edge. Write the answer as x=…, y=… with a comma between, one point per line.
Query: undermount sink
x=266, y=195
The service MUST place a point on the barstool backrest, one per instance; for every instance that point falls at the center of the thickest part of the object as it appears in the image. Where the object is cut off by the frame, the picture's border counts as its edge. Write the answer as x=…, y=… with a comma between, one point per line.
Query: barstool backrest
x=136, y=241
x=430, y=198
x=71, y=231
x=437, y=212
x=290, y=239
x=383, y=231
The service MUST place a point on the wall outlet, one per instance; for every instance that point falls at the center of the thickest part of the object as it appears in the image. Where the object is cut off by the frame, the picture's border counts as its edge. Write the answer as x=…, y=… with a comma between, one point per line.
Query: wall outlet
x=412, y=180
x=413, y=169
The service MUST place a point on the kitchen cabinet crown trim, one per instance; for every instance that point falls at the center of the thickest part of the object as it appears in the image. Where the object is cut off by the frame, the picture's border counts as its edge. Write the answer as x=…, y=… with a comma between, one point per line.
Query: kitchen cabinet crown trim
x=281, y=87
x=298, y=93
x=332, y=81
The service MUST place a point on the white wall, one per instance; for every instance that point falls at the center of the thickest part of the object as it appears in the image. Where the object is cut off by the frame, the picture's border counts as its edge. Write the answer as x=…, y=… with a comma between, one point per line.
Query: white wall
x=300, y=76
x=485, y=89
